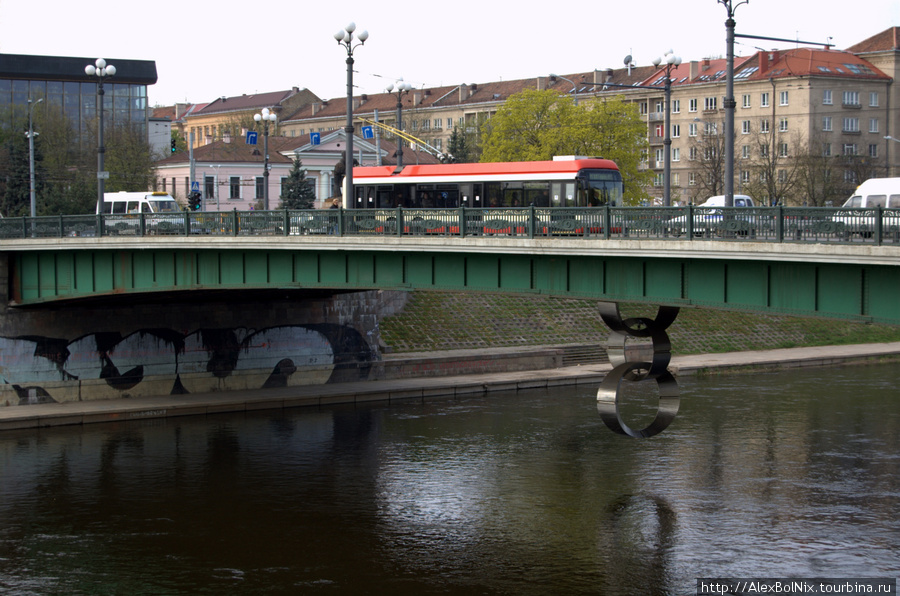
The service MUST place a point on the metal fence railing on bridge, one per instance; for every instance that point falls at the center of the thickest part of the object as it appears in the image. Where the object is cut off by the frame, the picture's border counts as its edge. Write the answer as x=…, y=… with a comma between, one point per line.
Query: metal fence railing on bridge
x=736, y=224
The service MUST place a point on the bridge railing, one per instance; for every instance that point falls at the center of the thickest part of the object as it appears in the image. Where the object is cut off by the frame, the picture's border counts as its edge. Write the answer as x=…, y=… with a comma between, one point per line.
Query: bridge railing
x=739, y=224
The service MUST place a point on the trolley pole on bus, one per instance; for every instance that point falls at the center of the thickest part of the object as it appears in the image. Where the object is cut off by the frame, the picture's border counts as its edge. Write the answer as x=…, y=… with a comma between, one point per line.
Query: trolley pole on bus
x=345, y=39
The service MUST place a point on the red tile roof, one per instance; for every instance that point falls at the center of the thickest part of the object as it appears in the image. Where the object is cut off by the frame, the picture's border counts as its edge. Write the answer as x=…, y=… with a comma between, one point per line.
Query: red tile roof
x=889, y=39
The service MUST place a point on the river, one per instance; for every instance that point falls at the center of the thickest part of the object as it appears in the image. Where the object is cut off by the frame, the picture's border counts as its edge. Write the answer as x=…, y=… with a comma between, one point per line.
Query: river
x=780, y=474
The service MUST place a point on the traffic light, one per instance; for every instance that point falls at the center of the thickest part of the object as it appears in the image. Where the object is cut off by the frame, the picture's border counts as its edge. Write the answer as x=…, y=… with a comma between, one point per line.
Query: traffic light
x=174, y=148
x=195, y=201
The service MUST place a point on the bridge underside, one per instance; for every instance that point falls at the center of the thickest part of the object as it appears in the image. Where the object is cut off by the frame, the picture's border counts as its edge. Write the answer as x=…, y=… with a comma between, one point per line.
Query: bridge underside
x=830, y=290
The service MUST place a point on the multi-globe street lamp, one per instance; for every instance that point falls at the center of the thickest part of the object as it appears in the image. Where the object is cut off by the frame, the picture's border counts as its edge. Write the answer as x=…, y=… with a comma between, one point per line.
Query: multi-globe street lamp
x=671, y=61
x=31, y=135
x=101, y=70
x=265, y=116
x=345, y=39
x=399, y=88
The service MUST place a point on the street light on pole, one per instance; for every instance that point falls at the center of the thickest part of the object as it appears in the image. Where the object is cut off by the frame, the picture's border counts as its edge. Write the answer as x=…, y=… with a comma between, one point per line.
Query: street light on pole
x=553, y=77
x=345, y=39
x=401, y=88
x=265, y=117
x=729, y=99
x=101, y=70
x=671, y=61
x=31, y=135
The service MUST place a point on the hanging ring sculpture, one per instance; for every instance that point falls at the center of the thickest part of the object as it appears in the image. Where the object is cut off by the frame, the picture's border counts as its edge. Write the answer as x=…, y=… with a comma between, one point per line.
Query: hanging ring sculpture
x=656, y=369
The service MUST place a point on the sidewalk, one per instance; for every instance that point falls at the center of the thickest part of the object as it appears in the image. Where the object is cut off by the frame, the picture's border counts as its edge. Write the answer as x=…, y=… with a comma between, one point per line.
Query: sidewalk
x=85, y=412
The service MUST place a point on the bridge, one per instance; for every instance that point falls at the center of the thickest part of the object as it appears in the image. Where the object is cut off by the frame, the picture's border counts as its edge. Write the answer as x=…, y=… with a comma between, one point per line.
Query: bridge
x=73, y=329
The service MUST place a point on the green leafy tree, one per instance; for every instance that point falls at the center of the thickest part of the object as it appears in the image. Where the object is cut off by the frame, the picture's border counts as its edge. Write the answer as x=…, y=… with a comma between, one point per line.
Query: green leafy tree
x=537, y=125
x=298, y=193
x=460, y=146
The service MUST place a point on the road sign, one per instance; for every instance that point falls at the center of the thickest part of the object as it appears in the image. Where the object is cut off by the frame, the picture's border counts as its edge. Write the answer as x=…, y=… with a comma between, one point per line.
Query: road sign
x=315, y=138
x=368, y=132
x=103, y=175
x=251, y=137
x=195, y=186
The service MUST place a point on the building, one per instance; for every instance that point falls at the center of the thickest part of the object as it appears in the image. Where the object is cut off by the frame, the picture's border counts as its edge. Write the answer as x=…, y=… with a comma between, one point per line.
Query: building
x=64, y=87
x=233, y=116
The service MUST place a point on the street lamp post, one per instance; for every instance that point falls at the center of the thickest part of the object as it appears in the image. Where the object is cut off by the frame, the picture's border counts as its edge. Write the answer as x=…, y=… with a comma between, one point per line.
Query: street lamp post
x=265, y=117
x=574, y=86
x=101, y=70
x=671, y=61
x=31, y=135
x=729, y=100
x=401, y=87
x=345, y=39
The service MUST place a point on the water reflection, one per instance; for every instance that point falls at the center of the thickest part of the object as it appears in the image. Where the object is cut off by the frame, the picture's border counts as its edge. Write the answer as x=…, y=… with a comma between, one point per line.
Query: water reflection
x=782, y=474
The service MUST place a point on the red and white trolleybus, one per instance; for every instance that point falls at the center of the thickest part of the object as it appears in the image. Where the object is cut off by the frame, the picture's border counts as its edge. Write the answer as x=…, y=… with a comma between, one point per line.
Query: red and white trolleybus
x=562, y=182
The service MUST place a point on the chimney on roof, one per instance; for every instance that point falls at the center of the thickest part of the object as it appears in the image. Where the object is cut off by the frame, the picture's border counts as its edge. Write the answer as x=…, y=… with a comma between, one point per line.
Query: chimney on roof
x=694, y=70
x=417, y=97
x=315, y=107
x=763, y=62
x=463, y=92
x=541, y=83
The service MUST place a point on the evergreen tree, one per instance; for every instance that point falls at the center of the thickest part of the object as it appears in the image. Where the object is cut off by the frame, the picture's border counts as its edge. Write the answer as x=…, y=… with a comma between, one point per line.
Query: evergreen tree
x=298, y=193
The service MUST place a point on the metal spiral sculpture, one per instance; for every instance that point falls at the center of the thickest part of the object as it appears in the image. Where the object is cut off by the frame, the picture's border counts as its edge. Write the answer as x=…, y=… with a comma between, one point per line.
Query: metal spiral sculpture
x=656, y=369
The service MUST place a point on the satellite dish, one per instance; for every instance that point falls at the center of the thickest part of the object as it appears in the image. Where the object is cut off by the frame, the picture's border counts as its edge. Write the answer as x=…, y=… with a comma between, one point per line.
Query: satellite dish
x=628, y=59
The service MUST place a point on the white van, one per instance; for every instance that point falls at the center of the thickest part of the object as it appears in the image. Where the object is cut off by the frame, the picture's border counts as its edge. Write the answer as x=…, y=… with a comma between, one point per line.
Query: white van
x=708, y=219
x=873, y=193
x=123, y=210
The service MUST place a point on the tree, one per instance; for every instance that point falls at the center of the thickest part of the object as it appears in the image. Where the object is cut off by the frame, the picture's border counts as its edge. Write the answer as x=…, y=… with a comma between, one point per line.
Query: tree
x=460, y=146
x=707, y=155
x=537, y=125
x=298, y=192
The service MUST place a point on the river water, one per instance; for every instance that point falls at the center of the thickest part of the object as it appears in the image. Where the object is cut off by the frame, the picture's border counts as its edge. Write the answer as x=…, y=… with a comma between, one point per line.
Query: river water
x=782, y=474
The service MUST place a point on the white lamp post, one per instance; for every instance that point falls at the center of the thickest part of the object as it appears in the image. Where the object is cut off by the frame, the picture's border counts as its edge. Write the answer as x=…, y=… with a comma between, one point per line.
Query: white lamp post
x=574, y=86
x=31, y=135
x=101, y=70
x=401, y=88
x=671, y=61
x=265, y=117
x=345, y=39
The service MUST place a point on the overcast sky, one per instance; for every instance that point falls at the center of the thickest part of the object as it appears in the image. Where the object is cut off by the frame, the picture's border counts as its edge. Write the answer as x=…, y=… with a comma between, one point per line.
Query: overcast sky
x=206, y=50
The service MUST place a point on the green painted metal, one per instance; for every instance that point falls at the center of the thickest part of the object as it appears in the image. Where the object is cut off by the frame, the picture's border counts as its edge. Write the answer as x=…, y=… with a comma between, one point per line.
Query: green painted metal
x=834, y=290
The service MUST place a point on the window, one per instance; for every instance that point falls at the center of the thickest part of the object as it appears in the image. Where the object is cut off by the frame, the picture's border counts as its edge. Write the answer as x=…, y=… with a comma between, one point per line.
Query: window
x=873, y=99
x=660, y=156
x=783, y=150
x=676, y=106
x=851, y=98
x=234, y=187
x=692, y=105
x=826, y=97
x=849, y=149
x=425, y=124
x=676, y=154
x=676, y=131
x=782, y=176
x=783, y=125
x=826, y=149
x=209, y=187
x=745, y=151
x=783, y=98
x=658, y=180
x=764, y=100
x=642, y=108
x=260, y=187
x=745, y=177
x=745, y=127
x=711, y=128
x=692, y=178
x=660, y=129
x=826, y=124
x=850, y=125
x=660, y=105
x=873, y=124
x=764, y=126
x=692, y=155
x=710, y=103
x=692, y=129
x=449, y=123
x=745, y=100
x=873, y=150
x=764, y=150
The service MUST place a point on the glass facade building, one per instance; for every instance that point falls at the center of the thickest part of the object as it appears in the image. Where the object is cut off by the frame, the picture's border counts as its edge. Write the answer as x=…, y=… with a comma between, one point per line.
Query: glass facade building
x=63, y=85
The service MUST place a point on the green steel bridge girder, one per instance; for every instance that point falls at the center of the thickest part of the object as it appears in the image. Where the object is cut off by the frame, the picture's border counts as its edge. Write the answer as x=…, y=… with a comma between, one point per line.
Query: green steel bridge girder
x=839, y=288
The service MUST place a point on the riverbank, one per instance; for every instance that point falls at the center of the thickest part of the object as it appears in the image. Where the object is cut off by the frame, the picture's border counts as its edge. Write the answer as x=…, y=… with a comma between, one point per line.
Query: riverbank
x=87, y=412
